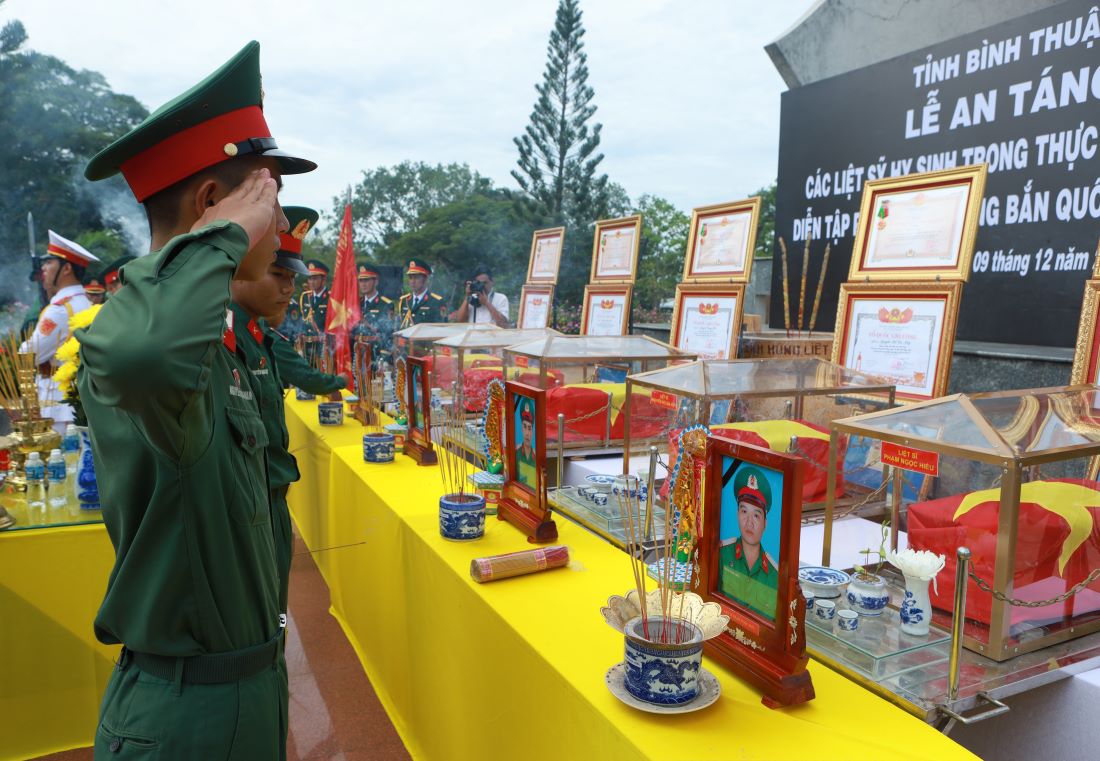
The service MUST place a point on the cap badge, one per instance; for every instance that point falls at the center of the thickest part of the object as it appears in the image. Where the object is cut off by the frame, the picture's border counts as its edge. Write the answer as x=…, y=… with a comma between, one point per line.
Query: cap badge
x=230, y=149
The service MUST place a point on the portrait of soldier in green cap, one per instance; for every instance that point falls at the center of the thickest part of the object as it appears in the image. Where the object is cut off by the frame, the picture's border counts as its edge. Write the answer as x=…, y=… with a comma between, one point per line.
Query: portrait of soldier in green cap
x=179, y=442
x=749, y=552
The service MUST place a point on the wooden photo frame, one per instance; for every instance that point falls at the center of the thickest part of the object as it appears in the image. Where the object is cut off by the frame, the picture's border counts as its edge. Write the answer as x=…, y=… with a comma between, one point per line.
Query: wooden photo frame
x=919, y=227
x=536, y=306
x=545, y=258
x=706, y=319
x=748, y=563
x=904, y=332
x=606, y=310
x=418, y=401
x=615, y=250
x=523, y=500
x=722, y=240
x=1086, y=356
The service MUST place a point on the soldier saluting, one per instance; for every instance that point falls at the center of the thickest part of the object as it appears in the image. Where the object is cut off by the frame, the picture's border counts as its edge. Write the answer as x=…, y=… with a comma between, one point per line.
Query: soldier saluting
x=176, y=432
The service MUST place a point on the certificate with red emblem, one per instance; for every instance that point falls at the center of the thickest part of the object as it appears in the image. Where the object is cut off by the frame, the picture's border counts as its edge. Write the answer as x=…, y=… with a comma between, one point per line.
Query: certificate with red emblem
x=707, y=320
x=722, y=241
x=903, y=333
x=545, y=257
x=534, y=306
x=615, y=250
x=606, y=310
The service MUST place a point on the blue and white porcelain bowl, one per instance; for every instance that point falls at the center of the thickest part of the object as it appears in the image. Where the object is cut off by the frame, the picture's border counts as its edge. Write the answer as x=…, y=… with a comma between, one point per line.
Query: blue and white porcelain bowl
x=461, y=517
x=626, y=486
x=825, y=583
x=378, y=447
x=599, y=498
x=330, y=413
x=303, y=396
x=659, y=672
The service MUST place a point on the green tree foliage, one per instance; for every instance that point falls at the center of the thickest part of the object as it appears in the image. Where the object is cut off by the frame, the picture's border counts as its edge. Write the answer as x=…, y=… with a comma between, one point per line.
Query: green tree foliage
x=558, y=160
x=52, y=118
x=765, y=230
x=107, y=245
x=661, y=257
x=389, y=201
x=483, y=228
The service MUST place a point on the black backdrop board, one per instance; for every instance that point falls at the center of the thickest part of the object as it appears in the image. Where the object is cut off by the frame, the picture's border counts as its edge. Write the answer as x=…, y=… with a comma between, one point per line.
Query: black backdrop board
x=1023, y=96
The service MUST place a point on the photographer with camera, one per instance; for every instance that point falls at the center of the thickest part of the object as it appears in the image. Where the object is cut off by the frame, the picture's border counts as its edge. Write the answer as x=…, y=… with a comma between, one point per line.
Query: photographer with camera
x=482, y=303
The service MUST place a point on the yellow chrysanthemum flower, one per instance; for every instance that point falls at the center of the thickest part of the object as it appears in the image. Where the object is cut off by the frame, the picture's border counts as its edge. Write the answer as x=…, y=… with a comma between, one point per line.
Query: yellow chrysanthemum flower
x=68, y=354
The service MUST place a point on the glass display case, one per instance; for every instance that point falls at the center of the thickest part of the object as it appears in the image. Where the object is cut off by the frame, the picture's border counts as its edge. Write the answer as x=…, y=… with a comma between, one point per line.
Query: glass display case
x=417, y=340
x=783, y=404
x=585, y=379
x=1012, y=476
x=478, y=352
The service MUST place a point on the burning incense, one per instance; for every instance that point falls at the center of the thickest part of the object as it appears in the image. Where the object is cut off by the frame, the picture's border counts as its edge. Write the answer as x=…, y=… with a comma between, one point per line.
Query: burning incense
x=454, y=467
x=802, y=290
x=820, y=286
x=786, y=293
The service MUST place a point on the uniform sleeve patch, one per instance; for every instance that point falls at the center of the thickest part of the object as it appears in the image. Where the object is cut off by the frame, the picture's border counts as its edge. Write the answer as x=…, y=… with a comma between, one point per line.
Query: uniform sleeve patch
x=46, y=326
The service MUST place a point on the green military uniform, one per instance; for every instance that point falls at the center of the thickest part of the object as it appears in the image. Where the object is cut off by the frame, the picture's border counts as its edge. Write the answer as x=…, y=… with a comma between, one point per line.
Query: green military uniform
x=181, y=450
x=427, y=307
x=314, y=306
x=375, y=317
x=755, y=586
x=294, y=370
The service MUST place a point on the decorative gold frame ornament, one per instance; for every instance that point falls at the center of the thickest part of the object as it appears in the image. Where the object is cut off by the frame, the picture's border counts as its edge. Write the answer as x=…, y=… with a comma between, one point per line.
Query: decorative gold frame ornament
x=875, y=190
x=551, y=232
x=595, y=291
x=718, y=291
x=633, y=223
x=536, y=289
x=1086, y=356
x=703, y=214
x=949, y=293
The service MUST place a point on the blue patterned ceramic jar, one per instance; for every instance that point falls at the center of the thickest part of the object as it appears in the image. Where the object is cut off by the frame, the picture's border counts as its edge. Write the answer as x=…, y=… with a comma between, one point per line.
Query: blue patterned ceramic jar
x=378, y=447
x=461, y=517
x=303, y=396
x=87, y=488
x=664, y=673
x=330, y=413
x=867, y=594
x=916, y=608
x=626, y=486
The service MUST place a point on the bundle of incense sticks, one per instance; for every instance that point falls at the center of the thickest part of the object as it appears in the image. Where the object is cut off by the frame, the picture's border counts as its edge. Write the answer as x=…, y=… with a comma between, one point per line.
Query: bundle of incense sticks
x=786, y=291
x=496, y=567
x=820, y=286
x=454, y=466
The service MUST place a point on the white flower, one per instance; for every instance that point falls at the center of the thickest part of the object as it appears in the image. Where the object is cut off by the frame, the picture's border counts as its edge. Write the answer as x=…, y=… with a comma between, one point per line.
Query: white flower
x=917, y=564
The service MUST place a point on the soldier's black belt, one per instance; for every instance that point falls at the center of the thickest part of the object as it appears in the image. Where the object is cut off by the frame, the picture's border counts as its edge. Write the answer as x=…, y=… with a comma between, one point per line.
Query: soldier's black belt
x=216, y=668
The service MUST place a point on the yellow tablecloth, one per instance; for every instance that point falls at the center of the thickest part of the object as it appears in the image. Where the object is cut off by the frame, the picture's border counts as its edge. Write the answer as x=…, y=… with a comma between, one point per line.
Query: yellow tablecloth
x=515, y=669
x=52, y=670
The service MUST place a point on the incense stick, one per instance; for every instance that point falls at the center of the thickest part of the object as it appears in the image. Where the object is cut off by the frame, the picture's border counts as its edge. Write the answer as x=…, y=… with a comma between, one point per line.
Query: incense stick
x=802, y=289
x=786, y=294
x=820, y=286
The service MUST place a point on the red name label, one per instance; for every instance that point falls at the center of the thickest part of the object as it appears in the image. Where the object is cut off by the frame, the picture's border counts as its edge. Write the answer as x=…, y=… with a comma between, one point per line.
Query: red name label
x=907, y=458
x=664, y=399
x=445, y=351
x=521, y=361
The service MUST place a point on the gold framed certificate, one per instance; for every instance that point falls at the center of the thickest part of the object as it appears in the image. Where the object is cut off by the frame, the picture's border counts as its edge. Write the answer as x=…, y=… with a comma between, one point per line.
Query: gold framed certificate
x=545, y=259
x=903, y=332
x=707, y=319
x=606, y=310
x=535, y=306
x=721, y=242
x=615, y=250
x=919, y=227
x=1086, y=358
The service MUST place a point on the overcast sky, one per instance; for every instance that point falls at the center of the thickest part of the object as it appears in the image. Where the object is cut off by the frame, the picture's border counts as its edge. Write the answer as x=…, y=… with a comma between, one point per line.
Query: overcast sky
x=688, y=99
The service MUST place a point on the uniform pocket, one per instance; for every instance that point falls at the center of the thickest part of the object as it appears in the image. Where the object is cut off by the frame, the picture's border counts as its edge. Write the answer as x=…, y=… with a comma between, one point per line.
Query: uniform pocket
x=110, y=743
x=252, y=500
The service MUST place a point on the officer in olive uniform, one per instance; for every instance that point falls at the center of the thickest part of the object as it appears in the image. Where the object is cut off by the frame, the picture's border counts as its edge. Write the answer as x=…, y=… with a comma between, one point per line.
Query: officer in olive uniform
x=375, y=313
x=179, y=441
x=749, y=574
x=420, y=305
x=94, y=289
x=110, y=274
x=313, y=301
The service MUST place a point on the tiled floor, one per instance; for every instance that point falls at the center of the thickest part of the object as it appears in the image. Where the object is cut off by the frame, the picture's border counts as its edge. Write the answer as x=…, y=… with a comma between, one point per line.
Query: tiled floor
x=334, y=713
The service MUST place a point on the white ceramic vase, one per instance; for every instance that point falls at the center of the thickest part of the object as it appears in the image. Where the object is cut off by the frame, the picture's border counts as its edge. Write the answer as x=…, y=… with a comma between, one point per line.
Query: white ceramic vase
x=916, y=609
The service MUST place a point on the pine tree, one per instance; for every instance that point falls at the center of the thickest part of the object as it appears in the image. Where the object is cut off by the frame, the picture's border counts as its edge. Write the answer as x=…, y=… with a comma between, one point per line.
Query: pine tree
x=557, y=152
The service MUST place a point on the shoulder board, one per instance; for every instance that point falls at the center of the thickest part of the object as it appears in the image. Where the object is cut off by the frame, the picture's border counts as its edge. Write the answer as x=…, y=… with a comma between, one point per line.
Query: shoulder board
x=60, y=302
x=404, y=296
x=437, y=297
x=386, y=300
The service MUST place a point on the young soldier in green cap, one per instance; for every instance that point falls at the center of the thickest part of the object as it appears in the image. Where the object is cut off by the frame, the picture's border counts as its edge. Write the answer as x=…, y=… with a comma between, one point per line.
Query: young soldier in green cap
x=313, y=301
x=748, y=573
x=179, y=441
x=420, y=305
x=110, y=274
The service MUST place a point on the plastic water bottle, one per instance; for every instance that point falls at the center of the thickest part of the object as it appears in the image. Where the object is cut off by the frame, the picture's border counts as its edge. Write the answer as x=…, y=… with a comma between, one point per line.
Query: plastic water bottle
x=70, y=450
x=56, y=481
x=35, y=471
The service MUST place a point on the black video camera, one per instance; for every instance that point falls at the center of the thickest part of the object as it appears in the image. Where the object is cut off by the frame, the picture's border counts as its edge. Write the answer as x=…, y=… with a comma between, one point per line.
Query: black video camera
x=476, y=287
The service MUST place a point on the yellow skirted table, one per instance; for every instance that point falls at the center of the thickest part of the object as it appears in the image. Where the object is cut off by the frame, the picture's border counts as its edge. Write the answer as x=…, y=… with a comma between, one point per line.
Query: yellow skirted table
x=52, y=669
x=515, y=669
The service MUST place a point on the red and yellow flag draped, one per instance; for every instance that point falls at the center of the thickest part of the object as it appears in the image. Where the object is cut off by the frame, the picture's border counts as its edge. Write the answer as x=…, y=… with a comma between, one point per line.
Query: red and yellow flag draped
x=343, y=305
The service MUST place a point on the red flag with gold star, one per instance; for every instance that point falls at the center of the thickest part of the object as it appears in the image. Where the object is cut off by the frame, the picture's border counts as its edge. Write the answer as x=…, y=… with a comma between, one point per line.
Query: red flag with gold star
x=343, y=305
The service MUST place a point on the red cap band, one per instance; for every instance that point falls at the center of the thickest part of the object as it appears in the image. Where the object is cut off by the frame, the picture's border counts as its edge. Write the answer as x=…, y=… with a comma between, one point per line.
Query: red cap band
x=94, y=288
x=111, y=277
x=66, y=254
x=187, y=152
x=416, y=269
x=288, y=242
